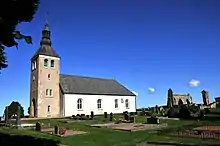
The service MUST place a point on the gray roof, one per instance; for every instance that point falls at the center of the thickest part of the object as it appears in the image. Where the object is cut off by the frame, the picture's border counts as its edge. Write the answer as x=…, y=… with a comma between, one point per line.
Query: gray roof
x=71, y=84
x=46, y=50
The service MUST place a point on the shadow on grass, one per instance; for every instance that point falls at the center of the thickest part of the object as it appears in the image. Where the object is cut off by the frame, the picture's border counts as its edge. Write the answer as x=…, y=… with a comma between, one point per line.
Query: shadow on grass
x=6, y=140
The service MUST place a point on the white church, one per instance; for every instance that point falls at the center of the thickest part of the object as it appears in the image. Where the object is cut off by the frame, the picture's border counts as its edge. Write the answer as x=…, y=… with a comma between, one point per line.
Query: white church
x=59, y=95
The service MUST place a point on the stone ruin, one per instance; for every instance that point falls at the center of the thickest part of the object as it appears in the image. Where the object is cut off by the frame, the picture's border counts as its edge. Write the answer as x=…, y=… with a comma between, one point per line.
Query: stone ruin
x=205, y=97
x=178, y=99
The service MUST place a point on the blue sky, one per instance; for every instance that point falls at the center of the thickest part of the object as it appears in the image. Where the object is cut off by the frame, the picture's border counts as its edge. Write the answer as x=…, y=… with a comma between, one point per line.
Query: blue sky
x=142, y=43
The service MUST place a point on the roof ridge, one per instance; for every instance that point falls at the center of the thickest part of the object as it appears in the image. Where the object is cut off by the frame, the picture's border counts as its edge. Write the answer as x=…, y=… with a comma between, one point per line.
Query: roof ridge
x=90, y=77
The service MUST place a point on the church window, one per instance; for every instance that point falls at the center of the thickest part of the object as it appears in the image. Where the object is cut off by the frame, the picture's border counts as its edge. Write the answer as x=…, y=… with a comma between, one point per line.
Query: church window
x=48, y=76
x=35, y=64
x=79, y=103
x=32, y=66
x=50, y=92
x=33, y=78
x=116, y=103
x=52, y=63
x=127, y=103
x=45, y=62
x=48, y=108
x=47, y=91
x=99, y=103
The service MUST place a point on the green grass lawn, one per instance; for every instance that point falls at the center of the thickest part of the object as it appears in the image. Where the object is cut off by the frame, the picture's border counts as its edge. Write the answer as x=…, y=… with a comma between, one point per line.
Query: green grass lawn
x=108, y=137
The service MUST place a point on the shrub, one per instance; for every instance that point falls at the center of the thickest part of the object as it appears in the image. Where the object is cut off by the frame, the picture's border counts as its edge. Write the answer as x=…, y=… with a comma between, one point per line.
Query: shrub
x=184, y=112
x=62, y=131
x=206, y=111
x=173, y=112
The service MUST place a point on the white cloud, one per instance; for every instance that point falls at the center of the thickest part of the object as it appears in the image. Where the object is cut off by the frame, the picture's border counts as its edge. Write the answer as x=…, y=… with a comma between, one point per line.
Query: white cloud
x=135, y=93
x=194, y=83
x=151, y=90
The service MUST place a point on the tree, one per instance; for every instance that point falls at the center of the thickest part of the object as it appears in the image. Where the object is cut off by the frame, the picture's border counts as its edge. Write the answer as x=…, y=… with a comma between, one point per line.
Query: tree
x=13, y=109
x=29, y=111
x=12, y=13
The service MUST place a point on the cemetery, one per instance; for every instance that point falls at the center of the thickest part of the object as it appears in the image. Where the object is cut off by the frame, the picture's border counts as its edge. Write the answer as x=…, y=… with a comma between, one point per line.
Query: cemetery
x=186, y=123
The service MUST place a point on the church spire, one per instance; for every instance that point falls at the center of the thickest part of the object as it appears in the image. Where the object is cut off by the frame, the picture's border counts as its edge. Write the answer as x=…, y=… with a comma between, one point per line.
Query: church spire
x=46, y=33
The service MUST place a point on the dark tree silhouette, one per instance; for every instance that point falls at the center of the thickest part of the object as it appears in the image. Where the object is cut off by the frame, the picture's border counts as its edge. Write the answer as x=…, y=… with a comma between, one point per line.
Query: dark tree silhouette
x=13, y=108
x=12, y=13
x=29, y=111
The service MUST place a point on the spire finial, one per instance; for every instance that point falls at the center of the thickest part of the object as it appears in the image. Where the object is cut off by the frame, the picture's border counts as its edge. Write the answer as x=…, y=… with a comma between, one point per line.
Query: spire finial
x=46, y=17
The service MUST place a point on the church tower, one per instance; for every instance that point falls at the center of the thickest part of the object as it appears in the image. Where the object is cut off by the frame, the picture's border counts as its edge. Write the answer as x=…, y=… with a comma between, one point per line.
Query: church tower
x=44, y=82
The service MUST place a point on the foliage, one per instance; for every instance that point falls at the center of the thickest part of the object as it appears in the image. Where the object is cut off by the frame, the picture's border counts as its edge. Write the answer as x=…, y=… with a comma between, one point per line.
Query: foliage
x=62, y=131
x=29, y=110
x=12, y=13
x=173, y=112
x=13, y=109
x=184, y=112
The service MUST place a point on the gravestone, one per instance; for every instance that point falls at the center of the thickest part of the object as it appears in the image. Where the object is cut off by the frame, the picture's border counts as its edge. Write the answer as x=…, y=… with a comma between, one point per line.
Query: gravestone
x=126, y=116
x=56, y=130
x=132, y=119
x=105, y=115
x=153, y=120
x=111, y=116
x=92, y=114
x=38, y=126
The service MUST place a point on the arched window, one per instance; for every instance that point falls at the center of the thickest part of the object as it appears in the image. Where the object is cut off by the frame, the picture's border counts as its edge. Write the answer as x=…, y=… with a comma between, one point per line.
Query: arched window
x=47, y=91
x=48, y=108
x=79, y=103
x=32, y=66
x=116, y=103
x=187, y=101
x=180, y=102
x=35, y=64
x=51, y=92
x=52, y=63
x=127, y=103
x=46, y=62
x=99, y=103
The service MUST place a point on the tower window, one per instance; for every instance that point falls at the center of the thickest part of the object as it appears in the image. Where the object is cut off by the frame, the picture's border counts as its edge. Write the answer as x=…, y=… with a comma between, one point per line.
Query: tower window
x=46, y=62
x=33, y=78
x=35, y=64
x=50, y=92
x=47, y=91
x=52, y=63
x=48, y=108
x=48, y=76
x=32, y=66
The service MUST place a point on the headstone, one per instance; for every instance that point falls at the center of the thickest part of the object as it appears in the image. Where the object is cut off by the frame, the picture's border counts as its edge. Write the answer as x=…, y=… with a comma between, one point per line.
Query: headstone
x=111, y=116
x=56, y=130
x=153, y=120
x=38, y=126
x=92, y=114
x=126, y=116
x=105, y=115
x=132, y=119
